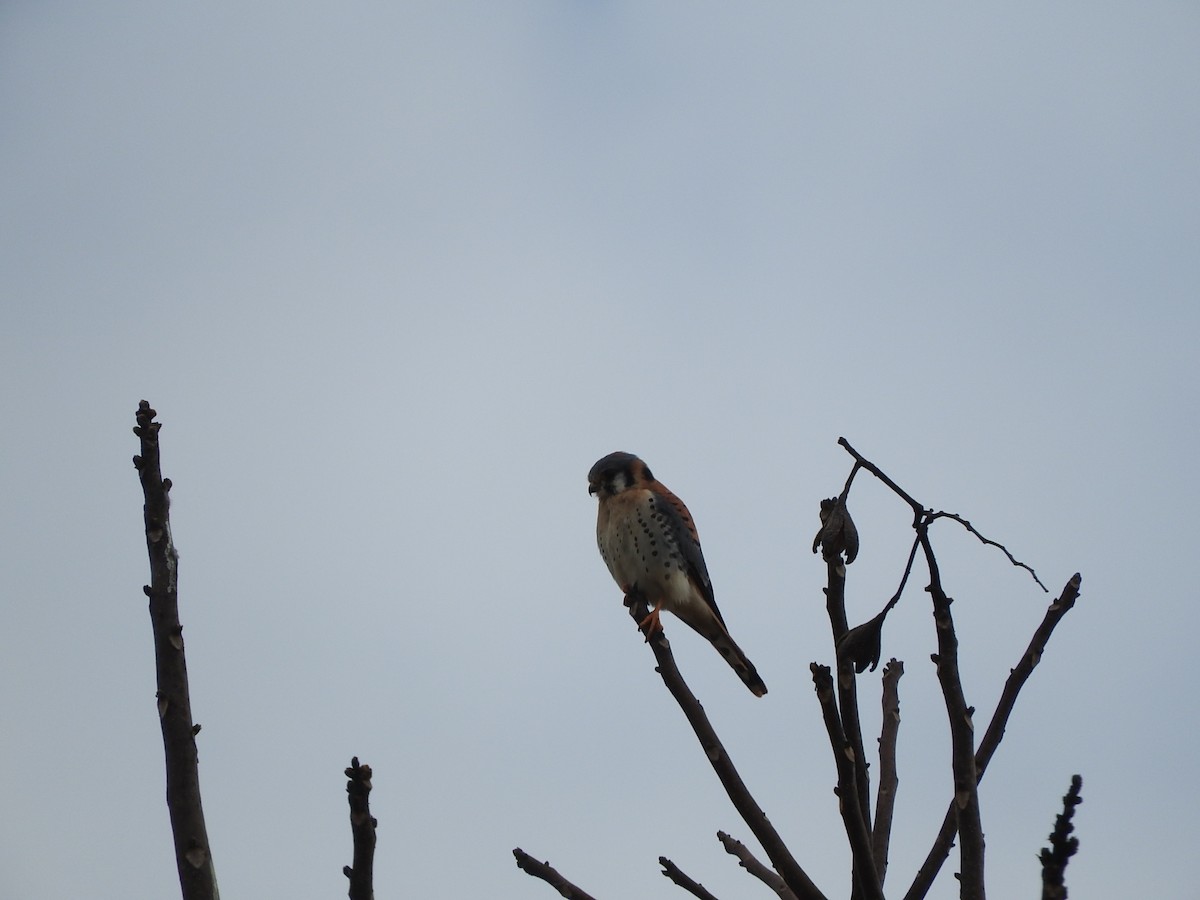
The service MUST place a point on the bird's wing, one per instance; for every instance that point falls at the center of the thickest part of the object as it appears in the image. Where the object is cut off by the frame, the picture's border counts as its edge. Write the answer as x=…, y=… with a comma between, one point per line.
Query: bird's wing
x=680, y=518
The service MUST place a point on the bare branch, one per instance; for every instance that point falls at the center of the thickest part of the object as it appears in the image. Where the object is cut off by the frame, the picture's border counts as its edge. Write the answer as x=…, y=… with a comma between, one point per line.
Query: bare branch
x=919, y=510
x=835, y=606
x=677, y=875
x=888, y=778
x=846, y=790
x=548, y=874
x=781, y=857
x=912, y=555
x=362, y=828
x=193, y=857
x=962, y=734
x=751, y=864
x=861, y=460
x=1024, y=668
x=971, y=528
x=995, y=731
x=1062, y=846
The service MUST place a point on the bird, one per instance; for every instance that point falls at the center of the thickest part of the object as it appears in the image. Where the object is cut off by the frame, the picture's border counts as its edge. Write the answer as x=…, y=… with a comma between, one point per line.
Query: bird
x=649, y=542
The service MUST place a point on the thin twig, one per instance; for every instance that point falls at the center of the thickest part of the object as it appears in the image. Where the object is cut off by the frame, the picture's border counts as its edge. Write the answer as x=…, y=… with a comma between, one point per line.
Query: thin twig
x=677, y=875
x=846, y=790
x=362, y=829
x=550, y=875
x=874, y=470
x=995, y=732
x=193, y=857
x=912, y=555
x=971, y=528
x=1062, y=846
x=889, y=780
x=777, y=851
x=930, y=515
x=754, y=866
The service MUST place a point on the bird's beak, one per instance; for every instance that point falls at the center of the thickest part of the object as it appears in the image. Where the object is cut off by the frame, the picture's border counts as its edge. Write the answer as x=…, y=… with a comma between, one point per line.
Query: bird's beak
x=592, y=489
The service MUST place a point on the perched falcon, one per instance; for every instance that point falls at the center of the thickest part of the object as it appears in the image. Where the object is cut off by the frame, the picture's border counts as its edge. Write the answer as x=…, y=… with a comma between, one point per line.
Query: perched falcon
x=649, y=543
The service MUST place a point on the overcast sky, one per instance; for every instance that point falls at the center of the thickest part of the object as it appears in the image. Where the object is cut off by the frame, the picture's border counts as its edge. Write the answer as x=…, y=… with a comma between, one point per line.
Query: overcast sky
x=396, y=275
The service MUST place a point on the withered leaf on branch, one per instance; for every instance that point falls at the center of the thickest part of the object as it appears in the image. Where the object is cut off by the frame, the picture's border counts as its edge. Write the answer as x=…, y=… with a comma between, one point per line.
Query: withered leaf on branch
x=863, y=644
x=837, y=534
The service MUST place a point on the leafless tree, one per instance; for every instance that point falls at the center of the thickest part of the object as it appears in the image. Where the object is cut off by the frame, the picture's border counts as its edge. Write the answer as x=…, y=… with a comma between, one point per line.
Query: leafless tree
x=855, y=650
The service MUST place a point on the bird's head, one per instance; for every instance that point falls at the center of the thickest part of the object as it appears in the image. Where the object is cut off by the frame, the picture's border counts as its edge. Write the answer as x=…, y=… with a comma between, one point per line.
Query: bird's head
x=617, y=472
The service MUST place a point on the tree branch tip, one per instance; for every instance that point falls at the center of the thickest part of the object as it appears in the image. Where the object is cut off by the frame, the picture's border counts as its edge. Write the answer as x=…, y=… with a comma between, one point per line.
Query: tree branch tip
x=347, y=871
x=195, y=729
x=146, y=590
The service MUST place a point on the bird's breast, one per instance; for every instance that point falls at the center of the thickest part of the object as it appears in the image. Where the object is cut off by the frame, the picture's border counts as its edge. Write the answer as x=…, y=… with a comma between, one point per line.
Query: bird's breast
x=641, y=548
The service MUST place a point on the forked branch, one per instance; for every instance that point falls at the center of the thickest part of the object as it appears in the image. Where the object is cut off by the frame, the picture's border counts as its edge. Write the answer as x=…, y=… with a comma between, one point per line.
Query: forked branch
x=929, y=515
x=995, y=732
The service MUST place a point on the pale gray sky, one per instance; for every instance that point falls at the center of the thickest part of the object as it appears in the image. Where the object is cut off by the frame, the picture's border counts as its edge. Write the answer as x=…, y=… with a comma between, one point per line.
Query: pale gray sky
x=395, y=276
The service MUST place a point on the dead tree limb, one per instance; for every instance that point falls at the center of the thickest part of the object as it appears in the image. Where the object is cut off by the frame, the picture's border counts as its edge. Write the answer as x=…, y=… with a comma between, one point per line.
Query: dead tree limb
x=362, y=829
x=677, y=875
x=839, y=544
x=995, y=731
x=193, y=856
x=989, y=542
x=889, y=780
x=847, y=684
x=968, y=764
x=929, y=514
x=751, y=864
x=1062, y=846
x=777, y=851
x=962, y=734
x=550, y=875
x=847, y=791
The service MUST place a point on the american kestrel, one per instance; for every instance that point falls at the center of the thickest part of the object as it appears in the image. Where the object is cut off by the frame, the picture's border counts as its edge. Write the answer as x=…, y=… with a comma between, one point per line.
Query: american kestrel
x=649, y=543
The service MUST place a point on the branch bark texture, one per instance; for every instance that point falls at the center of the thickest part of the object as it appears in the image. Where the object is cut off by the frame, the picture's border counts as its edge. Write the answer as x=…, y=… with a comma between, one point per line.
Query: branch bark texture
x=681, y=878
x=995, y=731
x=550, y=875
x=1062, y=846
x=751, y=864
x=362, y=829
x=193, y=857
x=777, y=851
x=865, y=875
x=889, y=780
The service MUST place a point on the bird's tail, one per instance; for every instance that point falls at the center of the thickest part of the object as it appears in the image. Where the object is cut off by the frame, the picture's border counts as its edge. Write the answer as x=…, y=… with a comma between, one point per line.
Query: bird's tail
x=737, y=660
